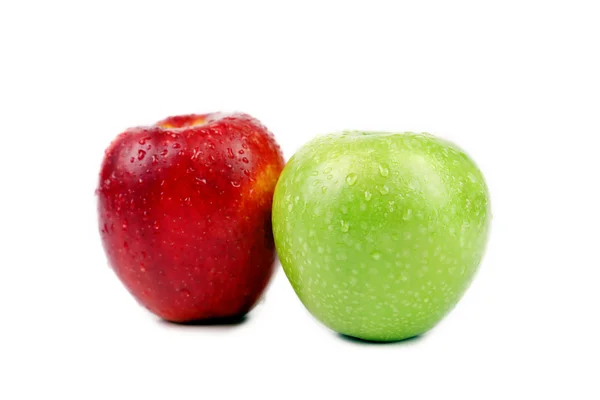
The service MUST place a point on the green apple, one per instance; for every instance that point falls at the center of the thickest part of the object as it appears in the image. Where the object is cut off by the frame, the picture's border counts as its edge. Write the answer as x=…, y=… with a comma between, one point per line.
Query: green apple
x=380, y=234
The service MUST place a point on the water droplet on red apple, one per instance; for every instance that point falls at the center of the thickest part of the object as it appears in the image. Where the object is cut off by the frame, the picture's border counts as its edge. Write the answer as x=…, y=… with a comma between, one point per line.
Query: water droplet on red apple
x=164, y=152
x=235, y=184
x=176, y=145
x=142, y=267
x=230, y=153
x=154, y=159
x=141, y=154
x=132, y=160
x=245, y=160
x=184, y=292
x=241, y=151
x=201, y=180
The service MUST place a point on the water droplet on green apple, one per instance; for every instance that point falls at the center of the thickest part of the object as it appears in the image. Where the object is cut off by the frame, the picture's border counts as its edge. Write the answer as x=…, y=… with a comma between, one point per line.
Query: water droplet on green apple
x=383, y=170
x=384, y=190
x=351, y=179
x=407, y=214
x=368, y=195
x=376, y=255
x=345, y=226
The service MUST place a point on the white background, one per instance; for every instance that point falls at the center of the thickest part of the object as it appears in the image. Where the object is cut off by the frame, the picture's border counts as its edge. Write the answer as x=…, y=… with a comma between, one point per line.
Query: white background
x=515, y=83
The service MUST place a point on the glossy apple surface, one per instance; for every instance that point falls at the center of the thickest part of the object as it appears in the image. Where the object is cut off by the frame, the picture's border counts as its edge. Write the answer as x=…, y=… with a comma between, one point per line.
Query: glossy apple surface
x=380, y=234
x=185, y=214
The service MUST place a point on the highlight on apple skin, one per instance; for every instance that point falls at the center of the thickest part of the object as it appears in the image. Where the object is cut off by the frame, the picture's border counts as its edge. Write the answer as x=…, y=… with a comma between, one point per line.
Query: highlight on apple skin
x=184, y=212
x=380, y=234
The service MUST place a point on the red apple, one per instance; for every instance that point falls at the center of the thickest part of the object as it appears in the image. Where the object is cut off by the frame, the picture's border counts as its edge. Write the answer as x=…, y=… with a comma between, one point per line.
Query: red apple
x=185, y=214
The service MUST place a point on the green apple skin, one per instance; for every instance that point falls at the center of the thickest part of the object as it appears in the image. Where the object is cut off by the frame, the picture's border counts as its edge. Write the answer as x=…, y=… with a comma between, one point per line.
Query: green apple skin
x=380, y=234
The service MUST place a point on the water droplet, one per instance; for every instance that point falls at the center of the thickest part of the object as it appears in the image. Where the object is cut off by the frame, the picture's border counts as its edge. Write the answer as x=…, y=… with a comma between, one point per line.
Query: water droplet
x=142, y=267
x=107, y=182
x=368, y=195
x=345, y=226
x=317, y=182
x=327, y=170
x=176, y=145
x=245, y=160
x=164, y=152
x=407, y=214
x=384, y=189
x=351, y=179
x=230, y=153
x=140, y=180
x=132, y=160
x=246, y=172
x=314, y=173
x=321, y=250
x=383, y=170
x=235, y=184
x=184, y=292
x=241, y=151
x=143, y=140
x=324, y=189
x=376, y=255
x=329, y=177
x=124, y=226
x=154, y=158
x=202, y=180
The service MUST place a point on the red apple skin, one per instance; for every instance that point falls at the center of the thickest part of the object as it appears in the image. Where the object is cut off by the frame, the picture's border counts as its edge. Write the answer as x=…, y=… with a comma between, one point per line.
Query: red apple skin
x=185, y=214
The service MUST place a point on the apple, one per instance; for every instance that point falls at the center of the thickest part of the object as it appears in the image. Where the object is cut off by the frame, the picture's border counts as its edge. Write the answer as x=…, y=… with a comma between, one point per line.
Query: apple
x=380, y=234
x=185, y=214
